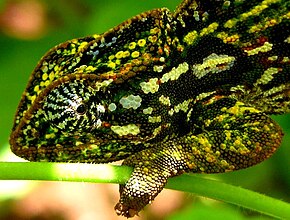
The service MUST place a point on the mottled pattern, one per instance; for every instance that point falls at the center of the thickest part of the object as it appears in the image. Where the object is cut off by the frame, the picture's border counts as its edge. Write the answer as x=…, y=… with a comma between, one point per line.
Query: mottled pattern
x=188, y=91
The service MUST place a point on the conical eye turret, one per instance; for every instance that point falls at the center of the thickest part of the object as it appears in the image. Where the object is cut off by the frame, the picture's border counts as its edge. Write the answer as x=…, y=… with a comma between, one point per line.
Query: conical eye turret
x=73, y=108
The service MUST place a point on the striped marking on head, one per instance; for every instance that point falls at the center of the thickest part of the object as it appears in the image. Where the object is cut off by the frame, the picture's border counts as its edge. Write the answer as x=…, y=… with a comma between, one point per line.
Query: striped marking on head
x=255, y=11
x=213, y=64
x=267, y=76
x=183, y=106
x=266, y=47
x=175, y=73
x=192, y=36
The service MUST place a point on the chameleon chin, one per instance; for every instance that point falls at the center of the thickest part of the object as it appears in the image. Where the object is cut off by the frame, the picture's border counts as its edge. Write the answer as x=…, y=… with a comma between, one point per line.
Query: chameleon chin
x=169, y=92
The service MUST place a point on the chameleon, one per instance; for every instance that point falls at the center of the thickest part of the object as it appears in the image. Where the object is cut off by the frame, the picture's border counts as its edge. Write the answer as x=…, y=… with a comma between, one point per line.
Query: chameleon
x=166, y=92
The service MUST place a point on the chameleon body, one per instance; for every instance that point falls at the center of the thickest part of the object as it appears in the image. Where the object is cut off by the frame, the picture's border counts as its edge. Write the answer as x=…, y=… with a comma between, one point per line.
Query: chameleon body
x=169, y=92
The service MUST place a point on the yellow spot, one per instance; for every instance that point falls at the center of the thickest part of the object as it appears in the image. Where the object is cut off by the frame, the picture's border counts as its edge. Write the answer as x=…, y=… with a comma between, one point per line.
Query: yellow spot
x=132, y=45
x=238, y=142
x=51, y=76
x=235, y=110
x=266, y=128
x=126, y=54
x=148, y=111
x=273, y=58
x=287, y=16
x=46, y=83
x=232, y=148
x=36, y=89
x=152, y=39
x=56, y=68
x=103, y=84
x=221, y=117
x=112, y=65
x=210, y=158
x=228, y=135
x=190, y=37
x=108, y=155
x=286, y=59
x=141, y=42
x=207, y=122
x=154, y=30
x=111, y=57
x=171, y=112
x=223, y=146
x=90, y=69
x=32, y=98
x=135, y=54
x=243, y=150
x=157, y=131
x=119, y=54
x=48, y=136
x=82, y=45
x=44, y=76
x=154, y=119
x=118, y=62
x=44, y=68
x=164, y=100
x=130, y=129
x=224, y=163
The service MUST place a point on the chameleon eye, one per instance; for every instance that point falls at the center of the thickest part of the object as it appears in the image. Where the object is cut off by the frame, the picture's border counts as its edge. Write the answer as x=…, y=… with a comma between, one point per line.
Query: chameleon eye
x=72, y=108
x=81, y=109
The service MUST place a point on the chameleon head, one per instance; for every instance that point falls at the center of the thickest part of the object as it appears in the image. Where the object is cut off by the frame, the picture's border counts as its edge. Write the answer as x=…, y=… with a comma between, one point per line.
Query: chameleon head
x=65, y=122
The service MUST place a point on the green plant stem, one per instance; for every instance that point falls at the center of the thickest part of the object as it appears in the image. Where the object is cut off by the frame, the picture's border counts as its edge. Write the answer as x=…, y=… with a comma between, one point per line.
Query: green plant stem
x=231, y=194
x=106, y=173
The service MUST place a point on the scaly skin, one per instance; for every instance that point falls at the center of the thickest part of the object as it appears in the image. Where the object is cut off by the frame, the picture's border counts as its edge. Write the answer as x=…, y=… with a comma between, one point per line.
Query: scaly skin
x=189, y=91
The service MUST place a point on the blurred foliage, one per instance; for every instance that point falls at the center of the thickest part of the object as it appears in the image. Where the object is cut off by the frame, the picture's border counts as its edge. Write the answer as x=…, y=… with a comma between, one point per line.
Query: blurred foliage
x=62, y=20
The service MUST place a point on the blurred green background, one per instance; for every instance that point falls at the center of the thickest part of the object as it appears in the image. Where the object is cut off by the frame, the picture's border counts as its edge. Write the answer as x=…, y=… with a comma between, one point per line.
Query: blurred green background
x=28, y=29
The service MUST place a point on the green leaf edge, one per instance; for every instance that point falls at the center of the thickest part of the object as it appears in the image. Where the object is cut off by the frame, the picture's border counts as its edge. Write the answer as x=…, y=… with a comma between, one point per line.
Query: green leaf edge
x=108, y=173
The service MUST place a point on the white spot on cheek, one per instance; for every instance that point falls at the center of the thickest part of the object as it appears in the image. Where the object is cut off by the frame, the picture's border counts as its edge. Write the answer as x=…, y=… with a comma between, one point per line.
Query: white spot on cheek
x=112, y=107
x=101, y=108
x=98, y=123
x=150, y=86
x=131, y=101
x=126, y=129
